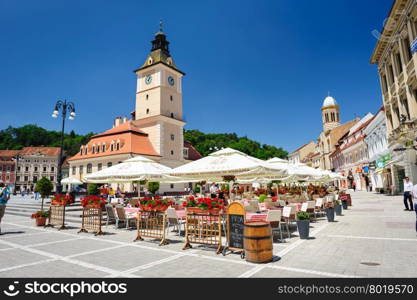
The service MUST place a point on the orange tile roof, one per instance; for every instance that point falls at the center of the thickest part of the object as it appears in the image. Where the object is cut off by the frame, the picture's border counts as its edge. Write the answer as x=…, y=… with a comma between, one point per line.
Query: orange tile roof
x=131, y=139
x=8, y=153
x=48, y=151
x=125, y=127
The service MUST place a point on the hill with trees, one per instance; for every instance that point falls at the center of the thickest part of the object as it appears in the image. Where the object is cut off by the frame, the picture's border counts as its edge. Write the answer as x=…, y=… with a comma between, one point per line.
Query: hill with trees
x=32, y=135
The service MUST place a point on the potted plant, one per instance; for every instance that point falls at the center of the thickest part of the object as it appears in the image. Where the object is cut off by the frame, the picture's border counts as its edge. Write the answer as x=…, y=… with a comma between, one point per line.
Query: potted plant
x=154, y=204
x=44, y=187
x=337, y=207
x=93, y=201
x=92, y=189
x=61, y=199
x=204, y=205
x=329, y=208
x=303, y=224
x=153, y=187
x=262, y=198
x=40, y=217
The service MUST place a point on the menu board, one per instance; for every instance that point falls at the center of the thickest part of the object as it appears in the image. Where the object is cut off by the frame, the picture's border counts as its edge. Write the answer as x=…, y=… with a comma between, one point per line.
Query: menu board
x=236, y=224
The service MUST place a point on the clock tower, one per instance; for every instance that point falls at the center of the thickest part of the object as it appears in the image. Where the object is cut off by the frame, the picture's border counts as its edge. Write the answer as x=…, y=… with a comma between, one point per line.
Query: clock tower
x=159, y=102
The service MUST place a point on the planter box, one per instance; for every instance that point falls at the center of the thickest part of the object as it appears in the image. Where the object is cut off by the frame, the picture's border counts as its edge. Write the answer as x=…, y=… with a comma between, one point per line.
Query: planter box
x=197, y=210
x=303, y=228
x=330, y=214
x=338, y=210
x=40, y=221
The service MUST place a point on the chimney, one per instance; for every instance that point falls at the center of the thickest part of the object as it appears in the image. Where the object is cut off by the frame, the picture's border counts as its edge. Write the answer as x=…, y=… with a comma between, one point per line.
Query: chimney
x=117, y=121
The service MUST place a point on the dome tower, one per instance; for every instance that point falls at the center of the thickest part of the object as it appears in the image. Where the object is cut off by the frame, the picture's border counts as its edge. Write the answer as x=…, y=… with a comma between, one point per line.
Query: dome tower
x=330, y=113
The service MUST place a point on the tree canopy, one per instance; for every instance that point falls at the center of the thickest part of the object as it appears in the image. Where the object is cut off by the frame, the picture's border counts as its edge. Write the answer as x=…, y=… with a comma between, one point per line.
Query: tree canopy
x=29, y=135
x=32, y=135
x=208, y=143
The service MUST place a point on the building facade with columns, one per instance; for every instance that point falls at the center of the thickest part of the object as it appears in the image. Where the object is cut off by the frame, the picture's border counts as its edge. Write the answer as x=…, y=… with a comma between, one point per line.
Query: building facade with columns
x=157, y=125
x=396, y=60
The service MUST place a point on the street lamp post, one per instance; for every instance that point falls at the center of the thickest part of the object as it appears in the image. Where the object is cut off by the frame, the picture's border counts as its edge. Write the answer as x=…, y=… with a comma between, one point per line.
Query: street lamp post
x=65, y=107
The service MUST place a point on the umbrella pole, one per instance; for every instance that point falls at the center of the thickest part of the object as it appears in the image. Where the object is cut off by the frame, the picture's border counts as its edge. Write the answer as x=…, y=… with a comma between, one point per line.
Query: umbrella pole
x=139, y=189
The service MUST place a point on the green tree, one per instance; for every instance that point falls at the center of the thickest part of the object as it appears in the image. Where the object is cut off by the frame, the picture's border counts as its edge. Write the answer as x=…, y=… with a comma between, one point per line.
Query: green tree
x=92, y=189
x=44, y=187
x=153, y=187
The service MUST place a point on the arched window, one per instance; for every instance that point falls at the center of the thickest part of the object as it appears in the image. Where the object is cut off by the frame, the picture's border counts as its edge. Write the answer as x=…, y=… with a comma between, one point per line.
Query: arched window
x=327, y=117
x=112, y=147
x=103, y=148
x=89, y=168
x=117, y=146
x=93, y=149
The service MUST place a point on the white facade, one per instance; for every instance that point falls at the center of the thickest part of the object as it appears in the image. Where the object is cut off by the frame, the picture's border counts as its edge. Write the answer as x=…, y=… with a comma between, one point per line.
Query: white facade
x=376, y=139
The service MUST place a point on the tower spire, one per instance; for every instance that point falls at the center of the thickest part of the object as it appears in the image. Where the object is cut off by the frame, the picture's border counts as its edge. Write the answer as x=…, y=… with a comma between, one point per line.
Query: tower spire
x=160, y=25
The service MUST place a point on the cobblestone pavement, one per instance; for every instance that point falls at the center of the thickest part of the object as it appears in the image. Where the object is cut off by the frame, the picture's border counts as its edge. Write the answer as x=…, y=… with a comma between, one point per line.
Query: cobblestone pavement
x=374, y=238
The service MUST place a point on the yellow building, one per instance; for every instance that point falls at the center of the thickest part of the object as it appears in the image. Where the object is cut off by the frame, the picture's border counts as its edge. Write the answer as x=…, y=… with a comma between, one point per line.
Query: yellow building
x=333, y=130
x=395, y=56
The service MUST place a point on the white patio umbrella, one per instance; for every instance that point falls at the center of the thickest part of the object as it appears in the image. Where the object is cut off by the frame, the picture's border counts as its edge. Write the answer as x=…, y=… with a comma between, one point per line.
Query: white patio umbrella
x=71, y=181
x=227, y=162
x=137, y=168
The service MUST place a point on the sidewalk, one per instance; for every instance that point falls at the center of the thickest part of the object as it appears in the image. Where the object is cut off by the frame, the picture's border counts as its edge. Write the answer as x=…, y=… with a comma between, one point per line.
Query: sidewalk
x=374, y=238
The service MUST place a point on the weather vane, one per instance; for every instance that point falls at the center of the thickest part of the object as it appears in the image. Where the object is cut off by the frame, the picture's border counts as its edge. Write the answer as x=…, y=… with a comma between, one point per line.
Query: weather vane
x=160, y=24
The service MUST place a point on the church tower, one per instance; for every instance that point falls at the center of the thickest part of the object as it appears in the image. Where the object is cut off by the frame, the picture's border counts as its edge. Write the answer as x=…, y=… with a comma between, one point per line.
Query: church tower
x=159, y=102
x=330, y=114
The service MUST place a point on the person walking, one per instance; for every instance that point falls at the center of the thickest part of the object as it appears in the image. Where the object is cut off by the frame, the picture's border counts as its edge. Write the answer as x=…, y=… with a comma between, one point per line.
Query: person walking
x=408, y=187
x=354, y=186
x=4, y=197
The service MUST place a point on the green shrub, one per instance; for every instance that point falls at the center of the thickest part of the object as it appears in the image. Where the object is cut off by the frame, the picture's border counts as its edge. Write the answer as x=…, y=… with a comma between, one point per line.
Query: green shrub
x=153, y=187
x=262, y=198
x=197, y=189
x=93, y=189
x=301, y=215
x=44, y=187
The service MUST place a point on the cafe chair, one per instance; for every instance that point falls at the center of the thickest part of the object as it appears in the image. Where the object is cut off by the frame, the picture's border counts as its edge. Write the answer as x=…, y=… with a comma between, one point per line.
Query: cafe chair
x=173, y=219
x=318, y=209
x=121, y=216
x=288, y=214
x=274, y=218
x=111, y=217
x=253, y=206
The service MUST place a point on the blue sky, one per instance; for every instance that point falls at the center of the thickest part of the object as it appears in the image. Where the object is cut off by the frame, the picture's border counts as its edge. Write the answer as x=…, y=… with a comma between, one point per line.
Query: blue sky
x=257, y=68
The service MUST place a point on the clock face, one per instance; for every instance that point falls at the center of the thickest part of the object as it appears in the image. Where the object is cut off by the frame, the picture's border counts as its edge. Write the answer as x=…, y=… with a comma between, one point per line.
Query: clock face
x=148, y=79
x=171, y=81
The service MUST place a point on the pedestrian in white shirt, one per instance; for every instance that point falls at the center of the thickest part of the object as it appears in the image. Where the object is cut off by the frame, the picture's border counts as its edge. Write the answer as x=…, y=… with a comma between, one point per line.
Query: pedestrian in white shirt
x=408, y=187
x=213, y=190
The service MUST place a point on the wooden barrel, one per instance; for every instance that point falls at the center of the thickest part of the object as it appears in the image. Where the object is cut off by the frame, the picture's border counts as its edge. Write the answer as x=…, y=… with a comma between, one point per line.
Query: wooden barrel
x=257, y=241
